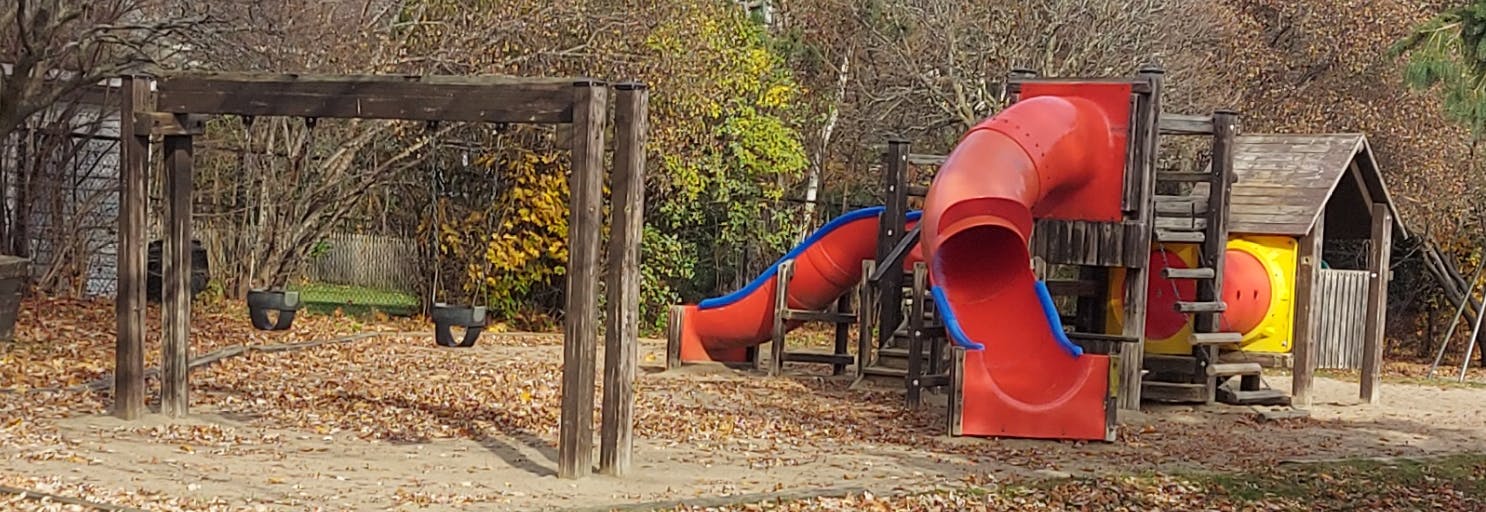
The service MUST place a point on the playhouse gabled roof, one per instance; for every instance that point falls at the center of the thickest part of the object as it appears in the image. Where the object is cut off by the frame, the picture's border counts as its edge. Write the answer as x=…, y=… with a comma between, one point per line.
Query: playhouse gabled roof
x=1285, y=182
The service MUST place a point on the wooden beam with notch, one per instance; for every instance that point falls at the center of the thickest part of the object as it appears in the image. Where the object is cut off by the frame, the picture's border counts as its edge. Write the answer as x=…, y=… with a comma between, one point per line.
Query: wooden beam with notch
x=169, y=124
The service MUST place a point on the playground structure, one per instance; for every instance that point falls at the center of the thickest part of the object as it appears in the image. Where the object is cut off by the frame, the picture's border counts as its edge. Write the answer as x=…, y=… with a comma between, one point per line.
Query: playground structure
x=173, y=110
x=1053, y=213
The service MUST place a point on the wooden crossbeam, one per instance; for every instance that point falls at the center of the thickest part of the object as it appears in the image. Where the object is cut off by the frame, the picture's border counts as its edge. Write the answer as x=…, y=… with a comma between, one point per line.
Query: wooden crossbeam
x=418, y=98
x=168, y=124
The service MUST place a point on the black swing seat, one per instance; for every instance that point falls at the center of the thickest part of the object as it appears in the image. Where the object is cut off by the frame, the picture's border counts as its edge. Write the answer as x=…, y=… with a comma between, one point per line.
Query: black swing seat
x=445, y=316
x=261, y=301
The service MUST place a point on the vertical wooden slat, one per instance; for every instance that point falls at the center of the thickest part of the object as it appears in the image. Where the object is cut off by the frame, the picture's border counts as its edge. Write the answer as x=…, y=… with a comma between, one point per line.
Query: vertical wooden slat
x=1377, y=302
x=580, y=321
x=1355, y=342
x=1323, y=322
x=129, y=302
x=1057, y=242
x=1353, y=330
x=1110, y=248
x=1303, y=362
x=622, y=330
x=781, y=307
x=1039, y=242
x=176, y=278
x=1092, y=245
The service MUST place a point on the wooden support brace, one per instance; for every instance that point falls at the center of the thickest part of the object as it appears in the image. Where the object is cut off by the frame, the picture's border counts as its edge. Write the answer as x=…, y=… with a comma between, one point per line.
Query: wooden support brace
x=622, y=330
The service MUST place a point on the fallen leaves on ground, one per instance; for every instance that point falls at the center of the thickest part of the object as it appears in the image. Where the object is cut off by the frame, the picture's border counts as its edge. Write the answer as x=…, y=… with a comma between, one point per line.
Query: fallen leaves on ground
x=95, y=494
x=66, y=342
x=1452, y=483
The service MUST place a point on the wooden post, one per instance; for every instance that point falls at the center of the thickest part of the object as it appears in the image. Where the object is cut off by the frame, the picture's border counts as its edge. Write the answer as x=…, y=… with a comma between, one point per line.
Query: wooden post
x=890, y=231
x=1225, y=130
x=1307, y=279
x=580, y=323
x=1132, y=356
x=843, y=332
x=1378, y=260
x=674, y=317
x=954, y=412
x=865, y=317
x=176, y=278
x=781, y=307
x=129, y=302
x=621, y=333
x=916, y=337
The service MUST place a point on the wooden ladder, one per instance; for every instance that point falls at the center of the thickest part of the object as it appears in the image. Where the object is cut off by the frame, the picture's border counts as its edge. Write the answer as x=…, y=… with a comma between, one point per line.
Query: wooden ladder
x=1194, y=219
x=914, y=357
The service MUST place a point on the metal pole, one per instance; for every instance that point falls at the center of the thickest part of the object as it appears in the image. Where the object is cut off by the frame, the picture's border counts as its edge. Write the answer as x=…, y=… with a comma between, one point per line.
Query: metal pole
x=1459, y=311
x=1471, y=347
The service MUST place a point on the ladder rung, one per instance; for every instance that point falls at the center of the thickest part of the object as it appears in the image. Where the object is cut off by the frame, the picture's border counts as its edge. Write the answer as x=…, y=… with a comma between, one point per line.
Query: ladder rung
x=1201, y=307
x=1181, y=205
x=1180, y=237
x=1188, y=273
x=1181, y=223
x=1184, y=176
x=1231, y=369
x=1215, y=338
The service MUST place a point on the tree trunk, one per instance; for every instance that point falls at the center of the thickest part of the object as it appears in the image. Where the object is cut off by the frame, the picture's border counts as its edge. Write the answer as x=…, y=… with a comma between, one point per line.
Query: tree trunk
x=817, y=164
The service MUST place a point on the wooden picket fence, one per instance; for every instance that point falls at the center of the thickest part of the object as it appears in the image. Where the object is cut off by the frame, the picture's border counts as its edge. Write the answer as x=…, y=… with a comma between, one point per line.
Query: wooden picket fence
x=1341, y=307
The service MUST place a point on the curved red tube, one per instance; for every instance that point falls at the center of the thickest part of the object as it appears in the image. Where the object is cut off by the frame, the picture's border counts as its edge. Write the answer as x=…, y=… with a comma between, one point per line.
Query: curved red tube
x=1038, y=158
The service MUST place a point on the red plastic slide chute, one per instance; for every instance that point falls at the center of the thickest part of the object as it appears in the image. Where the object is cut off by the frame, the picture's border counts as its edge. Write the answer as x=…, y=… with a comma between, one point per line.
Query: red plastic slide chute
x=1057, y=153
x=827, y=264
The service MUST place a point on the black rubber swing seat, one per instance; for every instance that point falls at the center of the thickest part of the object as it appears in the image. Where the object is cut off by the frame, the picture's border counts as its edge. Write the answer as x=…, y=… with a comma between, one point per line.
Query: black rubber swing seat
x=261, y=301
x=445, y=317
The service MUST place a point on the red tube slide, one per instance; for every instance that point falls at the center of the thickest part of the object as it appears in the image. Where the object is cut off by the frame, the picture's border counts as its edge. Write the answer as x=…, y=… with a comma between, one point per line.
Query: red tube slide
x=826, y=264
x=1057, y=153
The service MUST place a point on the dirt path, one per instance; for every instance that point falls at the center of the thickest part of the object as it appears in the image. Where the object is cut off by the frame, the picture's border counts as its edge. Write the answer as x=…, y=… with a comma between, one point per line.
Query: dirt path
x=290, y=469
x=479, y=434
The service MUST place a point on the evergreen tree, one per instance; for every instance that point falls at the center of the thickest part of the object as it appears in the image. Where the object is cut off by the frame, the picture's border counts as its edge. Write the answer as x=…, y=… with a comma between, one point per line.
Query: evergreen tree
x=1448, y=54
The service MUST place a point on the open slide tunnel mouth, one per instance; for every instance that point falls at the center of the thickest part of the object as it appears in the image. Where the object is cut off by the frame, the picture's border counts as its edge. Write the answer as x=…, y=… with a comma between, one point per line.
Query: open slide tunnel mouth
x=976, y=261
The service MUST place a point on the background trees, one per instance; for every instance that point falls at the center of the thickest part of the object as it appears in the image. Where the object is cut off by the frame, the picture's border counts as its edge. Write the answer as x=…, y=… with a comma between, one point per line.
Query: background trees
x=768, y=116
